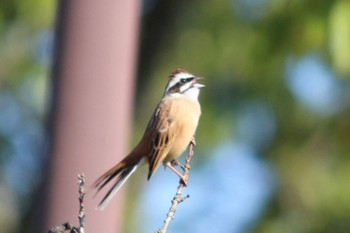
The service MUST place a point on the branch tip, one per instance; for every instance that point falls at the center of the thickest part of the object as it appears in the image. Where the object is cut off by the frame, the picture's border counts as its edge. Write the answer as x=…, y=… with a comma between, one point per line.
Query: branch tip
x=178, y=198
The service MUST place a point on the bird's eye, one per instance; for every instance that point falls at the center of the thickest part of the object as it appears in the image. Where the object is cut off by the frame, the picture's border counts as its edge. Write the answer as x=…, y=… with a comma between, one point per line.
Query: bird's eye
x=183, y=80
x=186, y=80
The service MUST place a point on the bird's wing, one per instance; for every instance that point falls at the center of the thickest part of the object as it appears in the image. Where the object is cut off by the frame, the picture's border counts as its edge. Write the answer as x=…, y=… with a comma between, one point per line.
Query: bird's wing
x=162, y=133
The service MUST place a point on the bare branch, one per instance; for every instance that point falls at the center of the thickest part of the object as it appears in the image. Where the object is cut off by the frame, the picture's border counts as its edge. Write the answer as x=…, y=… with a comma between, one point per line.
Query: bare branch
x=67, y=226
x=81, y=216
x=178, y=198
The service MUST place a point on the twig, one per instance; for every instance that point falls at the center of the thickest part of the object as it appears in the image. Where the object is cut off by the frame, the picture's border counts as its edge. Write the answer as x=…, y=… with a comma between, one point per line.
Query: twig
x=81, y=216
x=62, y=228
x=67, y=226
x=178, y=198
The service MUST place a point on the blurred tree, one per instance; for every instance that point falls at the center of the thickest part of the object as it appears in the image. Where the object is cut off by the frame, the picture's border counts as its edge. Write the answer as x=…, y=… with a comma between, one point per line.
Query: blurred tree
x=25, y=42
x=288, y=55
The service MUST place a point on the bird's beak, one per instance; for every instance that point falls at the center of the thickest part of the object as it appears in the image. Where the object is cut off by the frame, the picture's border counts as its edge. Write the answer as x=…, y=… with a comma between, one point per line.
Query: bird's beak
x=196, y=84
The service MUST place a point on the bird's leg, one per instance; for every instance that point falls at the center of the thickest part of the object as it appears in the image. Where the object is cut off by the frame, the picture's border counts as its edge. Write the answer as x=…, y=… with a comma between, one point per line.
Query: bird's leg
x=176, y=162
x=193, y=141
x=184, y=179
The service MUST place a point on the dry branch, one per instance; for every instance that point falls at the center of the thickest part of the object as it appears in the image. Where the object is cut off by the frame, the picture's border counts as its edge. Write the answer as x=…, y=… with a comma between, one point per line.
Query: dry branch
x=67, y=226
x=178, y=198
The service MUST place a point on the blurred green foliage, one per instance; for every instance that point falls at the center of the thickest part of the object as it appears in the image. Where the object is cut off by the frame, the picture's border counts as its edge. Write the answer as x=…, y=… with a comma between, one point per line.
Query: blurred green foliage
x=25, y=39
x=242, y=49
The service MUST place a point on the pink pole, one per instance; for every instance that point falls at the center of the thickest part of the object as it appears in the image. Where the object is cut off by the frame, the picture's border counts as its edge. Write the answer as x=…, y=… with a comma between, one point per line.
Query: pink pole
x=93, y=82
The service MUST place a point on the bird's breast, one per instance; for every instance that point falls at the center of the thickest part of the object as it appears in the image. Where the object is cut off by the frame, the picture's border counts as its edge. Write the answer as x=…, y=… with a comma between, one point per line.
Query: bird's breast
x=185, y=114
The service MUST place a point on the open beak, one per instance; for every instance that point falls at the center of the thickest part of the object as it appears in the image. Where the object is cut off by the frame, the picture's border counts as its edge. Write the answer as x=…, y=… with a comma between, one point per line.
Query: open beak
x=196, y=84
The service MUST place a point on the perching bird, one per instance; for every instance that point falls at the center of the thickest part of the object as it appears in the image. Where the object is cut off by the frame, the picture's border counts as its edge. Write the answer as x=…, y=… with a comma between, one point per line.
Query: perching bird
x=169, y=132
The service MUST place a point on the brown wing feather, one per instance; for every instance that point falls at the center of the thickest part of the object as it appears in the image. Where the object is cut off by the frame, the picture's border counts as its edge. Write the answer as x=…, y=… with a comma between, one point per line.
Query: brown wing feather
x=161, y=129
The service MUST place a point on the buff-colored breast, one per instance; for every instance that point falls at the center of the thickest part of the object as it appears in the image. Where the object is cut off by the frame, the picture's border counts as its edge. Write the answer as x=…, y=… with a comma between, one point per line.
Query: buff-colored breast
x=185, y=114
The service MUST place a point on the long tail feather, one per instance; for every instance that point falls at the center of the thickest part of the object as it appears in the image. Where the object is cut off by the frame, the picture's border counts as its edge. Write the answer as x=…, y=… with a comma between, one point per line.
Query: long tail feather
x=121, y=172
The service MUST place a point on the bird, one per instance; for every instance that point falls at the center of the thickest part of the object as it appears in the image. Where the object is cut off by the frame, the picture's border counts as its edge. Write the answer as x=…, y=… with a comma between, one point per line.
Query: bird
x=170, y=130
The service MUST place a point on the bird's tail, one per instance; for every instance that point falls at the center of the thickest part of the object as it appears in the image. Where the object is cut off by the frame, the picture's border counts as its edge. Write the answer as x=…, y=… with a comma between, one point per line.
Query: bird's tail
x=121, y=172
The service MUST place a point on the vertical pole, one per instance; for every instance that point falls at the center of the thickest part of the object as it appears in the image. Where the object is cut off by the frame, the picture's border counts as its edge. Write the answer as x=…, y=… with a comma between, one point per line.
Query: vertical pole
x=93, y=78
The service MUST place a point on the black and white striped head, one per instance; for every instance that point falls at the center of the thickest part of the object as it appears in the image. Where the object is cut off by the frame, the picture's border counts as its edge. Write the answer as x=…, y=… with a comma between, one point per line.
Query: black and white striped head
x=182, y=83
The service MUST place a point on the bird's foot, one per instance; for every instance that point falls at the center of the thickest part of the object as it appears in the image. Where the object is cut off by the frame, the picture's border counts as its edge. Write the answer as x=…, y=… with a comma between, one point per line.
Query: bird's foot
x=183, y=178
x=176, y=162
x=193, y=141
